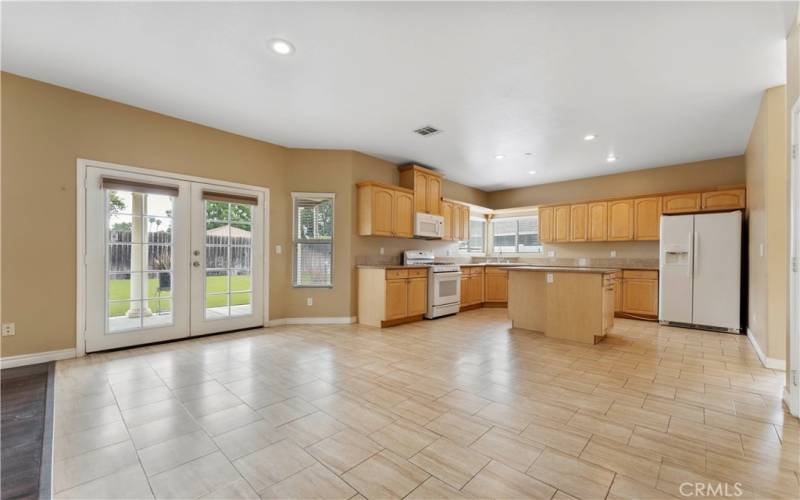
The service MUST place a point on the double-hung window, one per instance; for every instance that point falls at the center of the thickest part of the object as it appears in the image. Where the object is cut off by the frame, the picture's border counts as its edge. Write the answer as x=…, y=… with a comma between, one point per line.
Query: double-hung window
x=516, y=234
x=313, y=239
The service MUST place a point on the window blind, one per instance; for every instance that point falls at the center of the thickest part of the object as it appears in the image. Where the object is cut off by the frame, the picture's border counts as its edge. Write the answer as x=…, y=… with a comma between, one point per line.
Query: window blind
x=516, y=234
x=230, y=198
x=138, y=186
x=313, y=239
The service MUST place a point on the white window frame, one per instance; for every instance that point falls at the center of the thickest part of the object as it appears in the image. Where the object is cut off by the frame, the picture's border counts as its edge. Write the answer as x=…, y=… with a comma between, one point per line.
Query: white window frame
x=515, y=215
x=483, y=252
x=295, y=241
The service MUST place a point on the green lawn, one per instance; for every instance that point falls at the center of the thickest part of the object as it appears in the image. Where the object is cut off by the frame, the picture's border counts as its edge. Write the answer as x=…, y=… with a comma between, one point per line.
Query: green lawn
x=121, y=290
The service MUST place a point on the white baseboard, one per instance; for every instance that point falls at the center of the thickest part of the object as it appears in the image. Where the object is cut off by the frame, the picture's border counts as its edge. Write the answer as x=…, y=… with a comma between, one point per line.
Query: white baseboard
x=37, y=357
x=333, y=320
x=772, y=363
x=794, y=409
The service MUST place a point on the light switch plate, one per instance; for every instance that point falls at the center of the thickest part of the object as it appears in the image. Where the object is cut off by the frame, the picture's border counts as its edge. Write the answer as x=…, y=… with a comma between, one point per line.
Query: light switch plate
x=613, y=253
x=9, y=329
x=761, y=250
x=381, y=250
x=550, y=277
x=310, y=301
x=278, y=249
x=551, y=253
x=581, y=262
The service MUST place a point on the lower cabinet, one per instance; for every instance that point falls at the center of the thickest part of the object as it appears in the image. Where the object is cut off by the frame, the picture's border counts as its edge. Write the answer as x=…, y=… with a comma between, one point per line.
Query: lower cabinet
x=472, y=283
x=639, y=294
x=495, y=286
x=391, y=296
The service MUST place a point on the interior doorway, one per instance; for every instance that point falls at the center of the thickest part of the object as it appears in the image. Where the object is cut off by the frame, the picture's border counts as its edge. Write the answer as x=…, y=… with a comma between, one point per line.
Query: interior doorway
x=792, y=396
x=167, y=257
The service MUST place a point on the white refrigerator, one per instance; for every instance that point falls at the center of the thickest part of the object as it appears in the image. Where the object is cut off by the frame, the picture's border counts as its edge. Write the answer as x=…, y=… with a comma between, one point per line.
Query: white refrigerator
x=701, y=270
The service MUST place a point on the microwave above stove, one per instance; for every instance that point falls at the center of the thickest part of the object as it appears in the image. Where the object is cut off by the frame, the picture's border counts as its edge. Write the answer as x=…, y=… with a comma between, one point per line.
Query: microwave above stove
x=428, y=226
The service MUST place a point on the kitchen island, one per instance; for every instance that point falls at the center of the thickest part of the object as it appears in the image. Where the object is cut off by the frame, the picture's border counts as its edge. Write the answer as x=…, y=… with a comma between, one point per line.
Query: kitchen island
x=562, y=302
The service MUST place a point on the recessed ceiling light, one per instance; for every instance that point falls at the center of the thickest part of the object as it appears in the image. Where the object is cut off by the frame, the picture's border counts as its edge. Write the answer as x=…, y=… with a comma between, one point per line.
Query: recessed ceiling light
x=611, y=158
x=280, y=46
x=499, y=157
x=532, y=172
x=589, y=137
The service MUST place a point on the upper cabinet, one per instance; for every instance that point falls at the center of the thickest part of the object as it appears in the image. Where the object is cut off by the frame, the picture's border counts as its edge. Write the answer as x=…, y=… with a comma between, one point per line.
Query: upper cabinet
x=456, y=220
x=647, y=218
x=598, y=221
x=426, y=185
x=561, y=228
x=578, y=218
x=546, y=224
x=447, y=213
x=723, y=199
x=620, y=220
x=385, y=210
x=680, y=203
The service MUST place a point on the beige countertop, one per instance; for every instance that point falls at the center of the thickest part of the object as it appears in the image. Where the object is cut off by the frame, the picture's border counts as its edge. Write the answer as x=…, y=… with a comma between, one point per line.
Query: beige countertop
x=561, y=269
x=524, y=264
x=389, y=266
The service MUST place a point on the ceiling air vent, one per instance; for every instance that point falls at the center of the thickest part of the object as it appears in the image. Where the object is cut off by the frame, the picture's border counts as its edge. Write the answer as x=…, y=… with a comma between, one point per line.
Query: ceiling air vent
x=427, y=130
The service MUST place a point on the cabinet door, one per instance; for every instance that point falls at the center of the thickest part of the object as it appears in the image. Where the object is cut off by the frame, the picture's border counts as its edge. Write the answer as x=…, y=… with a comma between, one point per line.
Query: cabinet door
x=640, y=296
x=620, y=220
x=578, y=222
x=382, y=212
x=447, y=213
x=403, y=214
x=464, y=222
x=417, y=296
x=647, y=218
x=465, y=290
x=724, y=200
x=680, y=203
x=598, y=221
x=546, y=224
x=434, y=200
x=561, y=223
x=496, y=287
x=420, y=192
x=618, y=294
x=457, y=222
x=477, y=288
x=396, y=299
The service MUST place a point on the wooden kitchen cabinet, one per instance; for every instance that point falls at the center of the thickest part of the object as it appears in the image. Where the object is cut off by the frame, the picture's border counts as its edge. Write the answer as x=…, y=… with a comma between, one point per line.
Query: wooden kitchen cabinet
x=471, y=286
x=647, y=218
x=640, y=293
x=561, y=227
x=680, y=203
x=385, y=210
x=447, y=213
x=464, y=222
x=578, y=222
x=495, y=284
x=617, y=293
x=546, y=224
x=388, y=297
x=620, y=220
x=598, y=221
x=426, y=185
x=725, y=199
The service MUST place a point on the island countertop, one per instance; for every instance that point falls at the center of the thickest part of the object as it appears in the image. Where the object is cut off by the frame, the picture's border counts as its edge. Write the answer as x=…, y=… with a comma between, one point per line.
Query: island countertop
x=563, y=269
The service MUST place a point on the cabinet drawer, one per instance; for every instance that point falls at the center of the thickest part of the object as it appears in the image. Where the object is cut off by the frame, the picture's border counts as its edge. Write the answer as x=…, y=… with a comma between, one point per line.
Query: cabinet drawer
x=640, y=274
x=396, y=274
x=477, y=270
x=496, y=270
x=417, y=273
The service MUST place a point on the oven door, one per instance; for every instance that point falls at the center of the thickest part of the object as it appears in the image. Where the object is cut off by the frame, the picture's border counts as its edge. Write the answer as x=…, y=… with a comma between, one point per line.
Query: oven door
x=446, y=288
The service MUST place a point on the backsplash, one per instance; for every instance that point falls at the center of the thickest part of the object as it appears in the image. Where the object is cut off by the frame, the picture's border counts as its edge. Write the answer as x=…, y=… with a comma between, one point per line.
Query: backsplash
x=627, y=263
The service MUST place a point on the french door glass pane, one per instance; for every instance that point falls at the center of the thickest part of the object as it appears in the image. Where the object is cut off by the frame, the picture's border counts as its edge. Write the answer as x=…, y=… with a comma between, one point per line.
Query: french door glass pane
x=138, y=260
x=228, y=259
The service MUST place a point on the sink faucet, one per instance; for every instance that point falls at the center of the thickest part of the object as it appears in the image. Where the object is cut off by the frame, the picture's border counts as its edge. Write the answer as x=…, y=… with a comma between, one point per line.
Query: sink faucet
x=499, y=257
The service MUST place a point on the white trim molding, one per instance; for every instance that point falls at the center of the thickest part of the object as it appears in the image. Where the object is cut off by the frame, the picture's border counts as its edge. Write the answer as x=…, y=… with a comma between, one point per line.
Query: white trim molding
x=790, y=402
x=772, y=363
x=333, y=320
x=35, y=358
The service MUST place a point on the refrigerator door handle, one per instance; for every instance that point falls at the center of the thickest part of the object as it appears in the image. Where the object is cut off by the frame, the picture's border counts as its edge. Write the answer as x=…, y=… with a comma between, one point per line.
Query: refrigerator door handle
x=690, y=263
x=696, y=251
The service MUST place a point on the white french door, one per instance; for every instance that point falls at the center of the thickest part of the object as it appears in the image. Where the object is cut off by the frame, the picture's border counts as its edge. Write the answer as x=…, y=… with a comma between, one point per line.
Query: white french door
x=167, y=258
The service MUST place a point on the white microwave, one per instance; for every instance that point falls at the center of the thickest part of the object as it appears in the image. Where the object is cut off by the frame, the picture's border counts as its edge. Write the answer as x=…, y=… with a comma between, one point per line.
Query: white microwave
x=428, y=226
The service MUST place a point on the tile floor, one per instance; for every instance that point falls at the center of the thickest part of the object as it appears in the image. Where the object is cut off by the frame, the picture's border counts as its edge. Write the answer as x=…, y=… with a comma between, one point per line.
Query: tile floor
x=458, y=407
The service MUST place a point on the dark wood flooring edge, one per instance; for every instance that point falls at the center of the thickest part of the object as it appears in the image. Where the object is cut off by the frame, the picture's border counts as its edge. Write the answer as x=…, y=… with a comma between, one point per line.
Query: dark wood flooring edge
x=46, y=468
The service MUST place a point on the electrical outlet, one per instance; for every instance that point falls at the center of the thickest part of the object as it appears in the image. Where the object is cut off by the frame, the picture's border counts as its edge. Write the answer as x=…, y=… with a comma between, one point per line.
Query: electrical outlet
x=761, y=250
x=309, y=301
x=754, y=317
x=613, y=253
x=278, y=249
x=581, y=262
x=551, y=253
x=381, y=250
x=9, y=329
x=550, y=277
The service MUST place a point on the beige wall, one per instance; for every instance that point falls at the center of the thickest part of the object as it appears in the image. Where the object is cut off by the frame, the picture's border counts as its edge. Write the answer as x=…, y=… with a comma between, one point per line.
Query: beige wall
x=767, y=204
x=47, y=128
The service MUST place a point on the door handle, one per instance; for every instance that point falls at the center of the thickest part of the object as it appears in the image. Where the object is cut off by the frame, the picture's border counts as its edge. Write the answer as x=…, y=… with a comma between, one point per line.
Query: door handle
x=196, y=253
x=696, y=251
x=196, y=264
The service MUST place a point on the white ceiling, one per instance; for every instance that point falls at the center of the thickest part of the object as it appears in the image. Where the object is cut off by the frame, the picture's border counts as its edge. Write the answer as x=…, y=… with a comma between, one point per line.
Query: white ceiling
x=661, y=83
